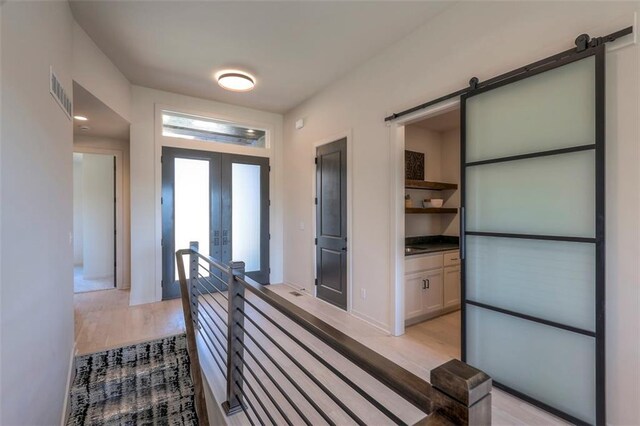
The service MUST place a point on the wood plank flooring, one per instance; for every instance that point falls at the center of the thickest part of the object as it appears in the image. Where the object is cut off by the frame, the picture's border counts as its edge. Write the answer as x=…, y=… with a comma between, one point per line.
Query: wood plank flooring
x=422, y=348
x=104, y=320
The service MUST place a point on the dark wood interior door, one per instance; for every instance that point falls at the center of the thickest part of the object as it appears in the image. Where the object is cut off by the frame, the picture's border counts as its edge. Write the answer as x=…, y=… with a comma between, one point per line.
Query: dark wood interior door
x=331, y=223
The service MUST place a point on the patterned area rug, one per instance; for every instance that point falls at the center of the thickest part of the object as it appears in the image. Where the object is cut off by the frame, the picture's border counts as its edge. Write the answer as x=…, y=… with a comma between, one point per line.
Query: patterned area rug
x=144, y=384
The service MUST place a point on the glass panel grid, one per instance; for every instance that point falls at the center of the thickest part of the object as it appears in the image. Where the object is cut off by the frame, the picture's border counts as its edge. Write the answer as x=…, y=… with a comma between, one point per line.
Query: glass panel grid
x=551, y=280
x=553, y=195
x=551, y=110
x=192, y=127
x=554, y=366
x=556, y=281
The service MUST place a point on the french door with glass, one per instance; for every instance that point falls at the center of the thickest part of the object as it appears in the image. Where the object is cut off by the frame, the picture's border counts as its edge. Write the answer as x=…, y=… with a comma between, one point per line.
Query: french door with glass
x=533, y=234
x=222, y=202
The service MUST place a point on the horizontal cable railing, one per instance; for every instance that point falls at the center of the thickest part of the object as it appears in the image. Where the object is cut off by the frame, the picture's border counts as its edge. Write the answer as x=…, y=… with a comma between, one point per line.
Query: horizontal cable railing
x=283, y=365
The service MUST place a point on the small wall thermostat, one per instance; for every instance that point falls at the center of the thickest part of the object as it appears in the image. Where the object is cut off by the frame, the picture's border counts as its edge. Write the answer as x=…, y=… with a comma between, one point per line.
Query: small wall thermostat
x=300, y=123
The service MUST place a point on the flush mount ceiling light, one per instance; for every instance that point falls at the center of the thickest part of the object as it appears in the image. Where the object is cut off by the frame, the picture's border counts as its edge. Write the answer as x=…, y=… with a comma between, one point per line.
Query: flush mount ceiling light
x=236, y=81
x=80, y=117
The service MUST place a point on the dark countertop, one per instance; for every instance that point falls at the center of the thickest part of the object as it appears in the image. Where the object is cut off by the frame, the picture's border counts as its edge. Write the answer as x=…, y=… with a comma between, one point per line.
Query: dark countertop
x=430, y=244
x=429, y=248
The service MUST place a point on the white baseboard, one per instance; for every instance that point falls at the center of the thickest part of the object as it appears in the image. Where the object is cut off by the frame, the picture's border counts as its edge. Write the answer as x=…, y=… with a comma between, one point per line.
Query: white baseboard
x=364, y=317
x=371, y=321
x=70, y=377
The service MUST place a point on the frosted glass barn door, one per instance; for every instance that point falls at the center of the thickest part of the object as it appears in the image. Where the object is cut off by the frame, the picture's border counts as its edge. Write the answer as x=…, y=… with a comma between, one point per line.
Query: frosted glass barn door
x=533, y=234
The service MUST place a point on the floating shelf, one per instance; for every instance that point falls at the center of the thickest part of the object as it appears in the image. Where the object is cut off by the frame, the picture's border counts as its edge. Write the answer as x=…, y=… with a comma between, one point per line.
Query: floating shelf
x=433, y=186
x=430, y=210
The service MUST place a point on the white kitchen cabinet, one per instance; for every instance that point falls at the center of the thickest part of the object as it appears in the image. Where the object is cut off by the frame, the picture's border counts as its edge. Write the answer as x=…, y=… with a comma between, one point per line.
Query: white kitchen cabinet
x=413, y=304
x=432, y=293
x=423, y=293
x=432, y=285
x=451, y=296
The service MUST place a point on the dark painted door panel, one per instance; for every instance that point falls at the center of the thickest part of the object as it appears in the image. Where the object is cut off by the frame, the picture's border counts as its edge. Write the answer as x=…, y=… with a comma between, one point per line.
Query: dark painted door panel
x=331, y=223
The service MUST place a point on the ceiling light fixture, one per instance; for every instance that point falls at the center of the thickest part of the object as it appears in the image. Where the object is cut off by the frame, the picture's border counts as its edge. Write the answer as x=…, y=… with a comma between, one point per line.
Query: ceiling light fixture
x=250, y=131
x=236, y=81
x=80, y=117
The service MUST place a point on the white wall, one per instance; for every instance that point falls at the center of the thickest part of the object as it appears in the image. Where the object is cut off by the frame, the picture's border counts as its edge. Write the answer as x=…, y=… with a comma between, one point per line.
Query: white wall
x=77, y=209
x=98, y=215
x=428, y=142
x=471, y=39
x=94, y=71
x=36, y=312
x=119, y=148
x=451, y=174
x=146, y=147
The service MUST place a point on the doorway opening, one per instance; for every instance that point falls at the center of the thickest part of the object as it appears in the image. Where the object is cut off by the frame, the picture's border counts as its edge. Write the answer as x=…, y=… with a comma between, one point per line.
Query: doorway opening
x=94, y=222
x=432, y=233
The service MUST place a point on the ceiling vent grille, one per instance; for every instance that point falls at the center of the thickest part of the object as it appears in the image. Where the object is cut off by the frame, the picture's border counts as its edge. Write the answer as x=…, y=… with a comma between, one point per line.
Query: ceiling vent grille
x=59, y=94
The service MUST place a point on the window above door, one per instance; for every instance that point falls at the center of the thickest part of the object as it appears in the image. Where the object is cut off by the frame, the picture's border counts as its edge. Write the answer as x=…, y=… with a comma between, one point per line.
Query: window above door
x=193, y=127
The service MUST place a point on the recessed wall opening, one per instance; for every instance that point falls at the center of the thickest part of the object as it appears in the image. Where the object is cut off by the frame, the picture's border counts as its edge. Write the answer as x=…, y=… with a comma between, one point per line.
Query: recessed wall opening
x=101, y=233
x=431, y=223
x=94, y=222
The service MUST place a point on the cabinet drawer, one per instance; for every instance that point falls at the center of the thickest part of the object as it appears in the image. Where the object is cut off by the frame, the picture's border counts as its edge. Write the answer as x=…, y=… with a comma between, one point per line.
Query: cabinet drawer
x=451, y=258
x=421, y=263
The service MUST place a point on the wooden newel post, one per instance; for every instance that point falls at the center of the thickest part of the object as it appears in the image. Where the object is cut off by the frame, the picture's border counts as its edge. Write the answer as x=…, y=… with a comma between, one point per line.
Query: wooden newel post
x=461, y=393
x=193, y=282
x=235, y=339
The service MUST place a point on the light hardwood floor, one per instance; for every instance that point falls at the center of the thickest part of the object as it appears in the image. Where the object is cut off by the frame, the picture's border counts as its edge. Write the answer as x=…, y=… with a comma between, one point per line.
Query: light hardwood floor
x=80, y=284
x=422, y=348
x=104, y=320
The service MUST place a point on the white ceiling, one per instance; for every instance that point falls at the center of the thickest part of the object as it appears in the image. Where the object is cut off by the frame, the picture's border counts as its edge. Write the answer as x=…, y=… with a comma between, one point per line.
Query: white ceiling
x=293, y=48
x=102, y=120
x=442, y=122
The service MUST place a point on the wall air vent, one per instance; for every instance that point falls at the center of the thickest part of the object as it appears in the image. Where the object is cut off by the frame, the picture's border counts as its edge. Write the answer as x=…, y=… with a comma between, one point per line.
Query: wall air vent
x=59, y=94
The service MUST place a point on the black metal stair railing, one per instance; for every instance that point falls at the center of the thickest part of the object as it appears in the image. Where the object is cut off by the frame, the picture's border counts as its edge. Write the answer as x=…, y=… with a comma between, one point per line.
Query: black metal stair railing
x=260, y=357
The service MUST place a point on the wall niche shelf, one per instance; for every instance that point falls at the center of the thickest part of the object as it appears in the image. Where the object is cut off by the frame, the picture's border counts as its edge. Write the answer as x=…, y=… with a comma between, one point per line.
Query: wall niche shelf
x=430, y=210
x=432, y=186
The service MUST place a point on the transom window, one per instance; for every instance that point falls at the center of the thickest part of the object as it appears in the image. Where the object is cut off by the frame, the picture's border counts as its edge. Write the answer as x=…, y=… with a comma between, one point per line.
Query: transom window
x=178, y=125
